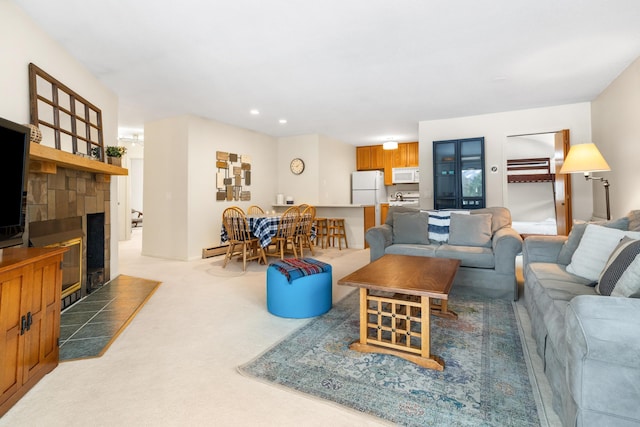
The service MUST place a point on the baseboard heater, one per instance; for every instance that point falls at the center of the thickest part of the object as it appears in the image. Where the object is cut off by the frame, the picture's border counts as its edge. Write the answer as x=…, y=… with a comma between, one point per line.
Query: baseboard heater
x=215, y=251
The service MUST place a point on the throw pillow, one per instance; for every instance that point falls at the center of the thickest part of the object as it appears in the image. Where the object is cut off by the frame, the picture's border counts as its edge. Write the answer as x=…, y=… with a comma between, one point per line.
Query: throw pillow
x=575, y=235
x=621, y=258
x=629, y=284
x=470, y=230
x=410, y=227
x=594, y=250
x=439, y=225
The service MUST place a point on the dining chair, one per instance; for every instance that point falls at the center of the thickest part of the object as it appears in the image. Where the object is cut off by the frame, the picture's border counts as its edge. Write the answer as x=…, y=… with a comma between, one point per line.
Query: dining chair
x=302, y=207
x=303, y=233
x=286, y=234
x=237, y=228
x=255, y=210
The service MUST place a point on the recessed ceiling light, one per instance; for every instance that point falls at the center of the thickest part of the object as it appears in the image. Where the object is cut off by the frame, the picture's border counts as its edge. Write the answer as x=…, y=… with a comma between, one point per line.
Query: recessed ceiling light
x=254, y=112
x=282, y=121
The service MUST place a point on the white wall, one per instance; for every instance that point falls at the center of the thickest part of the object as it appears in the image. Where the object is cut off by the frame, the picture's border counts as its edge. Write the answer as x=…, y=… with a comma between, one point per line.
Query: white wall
x=336, y=162
x=326, y=179
x=615, y=119
x=22, y=42
x=304, y=187
x=181, y=215
x=495, y=128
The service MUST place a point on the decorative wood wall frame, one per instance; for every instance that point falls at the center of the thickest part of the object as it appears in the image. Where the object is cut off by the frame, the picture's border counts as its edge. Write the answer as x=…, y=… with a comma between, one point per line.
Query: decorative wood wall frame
x=64, y=117
x=233, y=176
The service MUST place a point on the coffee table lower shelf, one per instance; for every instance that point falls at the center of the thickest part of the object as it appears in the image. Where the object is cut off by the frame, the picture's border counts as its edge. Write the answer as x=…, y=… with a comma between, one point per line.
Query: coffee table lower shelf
x=399, y=325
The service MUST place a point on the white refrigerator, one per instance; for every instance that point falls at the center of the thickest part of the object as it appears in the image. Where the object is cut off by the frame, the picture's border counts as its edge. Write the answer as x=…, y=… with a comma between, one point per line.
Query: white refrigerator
x=367, y=188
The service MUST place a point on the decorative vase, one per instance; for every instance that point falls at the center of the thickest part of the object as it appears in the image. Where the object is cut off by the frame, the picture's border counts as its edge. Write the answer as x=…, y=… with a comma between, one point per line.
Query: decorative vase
x=35, y=135
x=115, y=161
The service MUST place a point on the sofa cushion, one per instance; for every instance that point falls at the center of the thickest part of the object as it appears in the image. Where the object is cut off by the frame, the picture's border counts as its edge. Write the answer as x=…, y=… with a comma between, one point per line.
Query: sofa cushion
x=439, y=222
x=470, y=230
x=629, y=283
x=469, y=256
x=550, y=287
x=500, y=217
x=410, y=227
x=620, y=259
x=576, y=233
x=594, y=250
x=634, y=220
x=411, y=249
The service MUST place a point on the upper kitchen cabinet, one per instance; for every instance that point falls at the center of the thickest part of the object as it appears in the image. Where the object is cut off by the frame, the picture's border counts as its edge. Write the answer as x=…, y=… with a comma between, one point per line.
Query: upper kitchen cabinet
x=370, y=157
x=373, y=157
x=458, y=174
x=406, y=156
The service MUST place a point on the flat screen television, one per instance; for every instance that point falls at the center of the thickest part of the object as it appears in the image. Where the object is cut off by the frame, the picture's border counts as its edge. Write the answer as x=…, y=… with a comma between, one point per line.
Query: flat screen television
x=14, y=165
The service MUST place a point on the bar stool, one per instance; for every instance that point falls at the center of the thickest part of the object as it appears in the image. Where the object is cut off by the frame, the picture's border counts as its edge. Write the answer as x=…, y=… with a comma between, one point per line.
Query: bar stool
x=321, y=232
x=336, y=230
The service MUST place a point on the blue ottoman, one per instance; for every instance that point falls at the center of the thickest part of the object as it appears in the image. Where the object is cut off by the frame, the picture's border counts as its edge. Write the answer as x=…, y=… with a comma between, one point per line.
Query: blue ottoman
x=299, y=288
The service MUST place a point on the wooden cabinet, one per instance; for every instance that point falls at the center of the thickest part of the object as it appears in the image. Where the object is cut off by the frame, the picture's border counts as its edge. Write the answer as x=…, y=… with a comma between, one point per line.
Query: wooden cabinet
x=406, y=156
x=369, y=221
x=363, y=158
x=370, y=157
x=30, y=288
x=384, y=210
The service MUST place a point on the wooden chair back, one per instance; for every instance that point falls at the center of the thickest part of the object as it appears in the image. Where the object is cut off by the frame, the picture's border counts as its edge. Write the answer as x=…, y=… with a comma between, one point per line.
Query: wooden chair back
x=255, y=210
x=235, y=224
x=288, y=223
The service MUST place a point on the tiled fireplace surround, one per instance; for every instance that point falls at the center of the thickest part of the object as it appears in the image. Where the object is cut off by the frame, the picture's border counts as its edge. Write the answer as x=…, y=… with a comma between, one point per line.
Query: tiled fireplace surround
x=72, y=193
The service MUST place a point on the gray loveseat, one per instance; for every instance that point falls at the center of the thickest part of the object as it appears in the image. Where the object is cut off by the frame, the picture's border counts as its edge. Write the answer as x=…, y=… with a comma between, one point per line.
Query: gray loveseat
x=590, y=343
x=487, y=257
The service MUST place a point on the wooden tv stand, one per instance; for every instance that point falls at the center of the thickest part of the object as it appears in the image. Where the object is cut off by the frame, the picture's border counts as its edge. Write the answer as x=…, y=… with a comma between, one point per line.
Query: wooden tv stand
x=30, y=288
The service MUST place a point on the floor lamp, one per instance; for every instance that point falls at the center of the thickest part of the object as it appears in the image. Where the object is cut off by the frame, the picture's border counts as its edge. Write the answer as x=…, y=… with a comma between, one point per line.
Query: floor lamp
x=586, y=158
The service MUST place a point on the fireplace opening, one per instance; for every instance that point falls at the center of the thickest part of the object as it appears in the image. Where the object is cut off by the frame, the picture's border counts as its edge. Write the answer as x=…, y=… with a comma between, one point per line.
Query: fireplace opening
x=68, y=233
x=95, y=251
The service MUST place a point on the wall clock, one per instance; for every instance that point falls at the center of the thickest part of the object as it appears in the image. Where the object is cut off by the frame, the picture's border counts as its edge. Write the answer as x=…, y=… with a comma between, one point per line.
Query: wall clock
x=297, y=166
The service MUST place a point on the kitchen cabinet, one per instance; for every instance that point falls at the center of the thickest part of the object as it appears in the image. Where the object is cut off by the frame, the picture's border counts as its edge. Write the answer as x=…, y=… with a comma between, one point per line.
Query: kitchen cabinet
x=30, y=289
x=363, y=158
x=406, y=156
x=384, y=210
x=458, y=174
x=369, y=221
x=370, y=157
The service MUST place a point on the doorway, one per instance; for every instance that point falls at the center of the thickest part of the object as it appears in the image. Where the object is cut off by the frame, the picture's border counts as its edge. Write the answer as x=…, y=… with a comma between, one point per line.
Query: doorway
x=535, y=193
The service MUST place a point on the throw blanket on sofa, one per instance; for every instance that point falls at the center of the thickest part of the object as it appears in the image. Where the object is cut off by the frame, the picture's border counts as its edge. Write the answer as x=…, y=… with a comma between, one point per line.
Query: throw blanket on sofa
x=439, y=224
x=294, y=268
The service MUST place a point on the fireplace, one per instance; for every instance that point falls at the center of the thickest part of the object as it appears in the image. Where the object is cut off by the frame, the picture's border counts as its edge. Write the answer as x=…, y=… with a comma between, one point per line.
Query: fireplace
x=71, y=208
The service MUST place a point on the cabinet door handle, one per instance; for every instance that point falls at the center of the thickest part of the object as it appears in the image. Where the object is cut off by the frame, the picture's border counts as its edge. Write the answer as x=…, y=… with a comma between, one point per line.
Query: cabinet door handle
x=23, y=325
x=29, y=320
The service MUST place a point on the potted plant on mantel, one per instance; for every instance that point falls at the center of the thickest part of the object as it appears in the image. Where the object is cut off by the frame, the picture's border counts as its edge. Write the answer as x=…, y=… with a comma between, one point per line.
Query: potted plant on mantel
x=114, y=154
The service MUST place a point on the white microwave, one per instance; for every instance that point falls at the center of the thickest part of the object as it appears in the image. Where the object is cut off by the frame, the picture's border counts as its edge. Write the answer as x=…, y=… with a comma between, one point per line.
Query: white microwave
x=405, y=175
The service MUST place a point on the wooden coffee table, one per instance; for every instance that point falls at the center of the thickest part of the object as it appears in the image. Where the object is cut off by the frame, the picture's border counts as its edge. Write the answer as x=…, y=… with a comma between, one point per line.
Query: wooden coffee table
x=397, y=320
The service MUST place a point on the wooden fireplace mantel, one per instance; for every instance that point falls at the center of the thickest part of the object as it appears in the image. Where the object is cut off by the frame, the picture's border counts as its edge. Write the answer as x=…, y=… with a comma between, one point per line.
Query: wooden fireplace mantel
x=46, y=160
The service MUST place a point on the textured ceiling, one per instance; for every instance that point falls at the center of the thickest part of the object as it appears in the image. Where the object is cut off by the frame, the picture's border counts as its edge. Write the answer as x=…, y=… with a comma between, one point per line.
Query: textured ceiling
x=356, y=70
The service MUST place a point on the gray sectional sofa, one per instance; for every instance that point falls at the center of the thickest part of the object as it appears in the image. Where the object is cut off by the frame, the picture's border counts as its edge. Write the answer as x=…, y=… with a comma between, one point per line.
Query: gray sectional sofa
x=590, y=343
x=485, y=243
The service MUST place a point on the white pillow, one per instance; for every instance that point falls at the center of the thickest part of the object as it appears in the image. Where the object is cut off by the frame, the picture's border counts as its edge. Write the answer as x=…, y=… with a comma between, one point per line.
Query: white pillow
x=594, y=250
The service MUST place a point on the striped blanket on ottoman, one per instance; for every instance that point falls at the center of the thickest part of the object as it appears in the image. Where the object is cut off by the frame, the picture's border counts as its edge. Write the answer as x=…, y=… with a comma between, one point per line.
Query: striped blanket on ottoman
x=294, y=268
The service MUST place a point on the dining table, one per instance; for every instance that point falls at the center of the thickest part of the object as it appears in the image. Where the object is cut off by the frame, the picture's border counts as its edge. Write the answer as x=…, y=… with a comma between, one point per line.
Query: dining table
x=264, y=227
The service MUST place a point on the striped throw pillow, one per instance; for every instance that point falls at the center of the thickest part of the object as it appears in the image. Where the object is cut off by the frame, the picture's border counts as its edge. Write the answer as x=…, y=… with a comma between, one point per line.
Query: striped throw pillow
x=619, y=261
x=439, y=222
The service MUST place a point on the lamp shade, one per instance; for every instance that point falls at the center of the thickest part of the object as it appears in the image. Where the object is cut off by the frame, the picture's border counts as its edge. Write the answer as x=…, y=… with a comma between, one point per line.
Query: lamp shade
x=390, y=145
x=584, y=158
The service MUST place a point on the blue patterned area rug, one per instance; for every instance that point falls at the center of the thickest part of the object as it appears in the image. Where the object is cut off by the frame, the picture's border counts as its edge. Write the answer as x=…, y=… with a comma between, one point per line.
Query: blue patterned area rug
x=485, y=381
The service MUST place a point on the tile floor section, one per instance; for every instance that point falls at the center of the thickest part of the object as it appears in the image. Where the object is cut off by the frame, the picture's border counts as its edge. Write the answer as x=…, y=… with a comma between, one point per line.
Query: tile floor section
x=88, y=327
